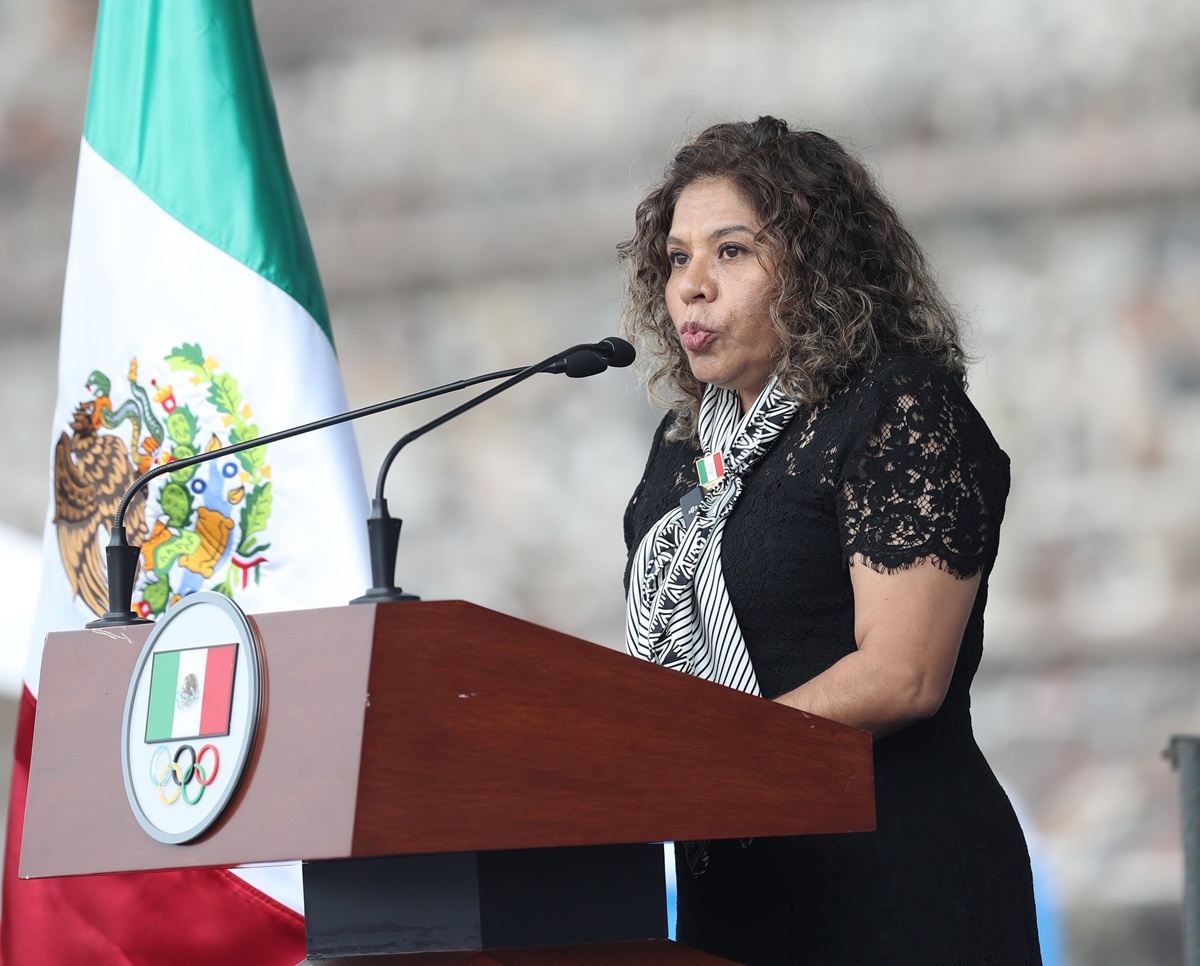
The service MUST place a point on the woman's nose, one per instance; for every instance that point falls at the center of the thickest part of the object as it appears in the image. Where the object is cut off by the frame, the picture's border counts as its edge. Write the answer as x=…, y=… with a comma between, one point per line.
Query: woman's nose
x=697, y=282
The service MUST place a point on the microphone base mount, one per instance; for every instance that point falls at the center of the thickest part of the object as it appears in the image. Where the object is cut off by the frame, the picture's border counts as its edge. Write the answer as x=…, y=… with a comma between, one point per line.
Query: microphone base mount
x=122, y=573
x=112, y=619
x=383, y=595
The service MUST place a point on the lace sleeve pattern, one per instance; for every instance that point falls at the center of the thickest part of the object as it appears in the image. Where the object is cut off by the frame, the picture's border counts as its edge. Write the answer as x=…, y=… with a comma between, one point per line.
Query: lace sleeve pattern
x=925, y=480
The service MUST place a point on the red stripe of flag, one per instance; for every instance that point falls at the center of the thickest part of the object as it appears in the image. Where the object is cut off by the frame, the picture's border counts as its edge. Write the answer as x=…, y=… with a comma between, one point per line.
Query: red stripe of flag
x=218, y=690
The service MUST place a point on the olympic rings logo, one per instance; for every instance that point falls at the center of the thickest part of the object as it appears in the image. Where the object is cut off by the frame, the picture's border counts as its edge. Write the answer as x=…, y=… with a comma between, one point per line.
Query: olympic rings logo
x=166, y=771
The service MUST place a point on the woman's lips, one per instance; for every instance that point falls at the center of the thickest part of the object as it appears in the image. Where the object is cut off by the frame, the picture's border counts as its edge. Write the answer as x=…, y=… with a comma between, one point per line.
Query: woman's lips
x=695, y=337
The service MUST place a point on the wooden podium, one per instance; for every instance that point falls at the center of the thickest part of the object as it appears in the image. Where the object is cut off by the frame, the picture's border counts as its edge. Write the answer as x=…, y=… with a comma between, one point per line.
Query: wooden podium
x=458, y=782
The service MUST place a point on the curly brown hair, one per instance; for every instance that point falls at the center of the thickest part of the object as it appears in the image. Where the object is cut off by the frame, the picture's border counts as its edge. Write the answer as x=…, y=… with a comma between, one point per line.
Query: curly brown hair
x=850, y=282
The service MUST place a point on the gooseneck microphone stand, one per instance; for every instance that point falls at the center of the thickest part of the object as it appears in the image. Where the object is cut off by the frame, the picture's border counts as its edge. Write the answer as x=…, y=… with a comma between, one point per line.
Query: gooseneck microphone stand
x=123, y=557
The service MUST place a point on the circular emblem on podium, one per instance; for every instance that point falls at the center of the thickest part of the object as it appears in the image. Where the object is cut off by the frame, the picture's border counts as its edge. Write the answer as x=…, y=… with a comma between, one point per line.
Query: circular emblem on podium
x=191, y=717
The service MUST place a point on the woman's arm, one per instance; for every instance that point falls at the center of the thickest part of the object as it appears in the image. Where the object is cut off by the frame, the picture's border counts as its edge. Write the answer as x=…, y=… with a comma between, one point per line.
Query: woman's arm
x=908, y=625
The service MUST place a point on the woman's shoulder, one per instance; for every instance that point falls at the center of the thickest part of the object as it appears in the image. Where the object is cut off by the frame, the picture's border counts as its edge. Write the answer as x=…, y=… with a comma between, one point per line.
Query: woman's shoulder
x=894, y=373
x=922, y=475
x=661, y=439
x=662, y=445
x=909, y=397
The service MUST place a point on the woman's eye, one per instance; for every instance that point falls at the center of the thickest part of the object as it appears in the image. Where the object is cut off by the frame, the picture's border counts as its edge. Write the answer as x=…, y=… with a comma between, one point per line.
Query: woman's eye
x=731, y=251
x=677, y=258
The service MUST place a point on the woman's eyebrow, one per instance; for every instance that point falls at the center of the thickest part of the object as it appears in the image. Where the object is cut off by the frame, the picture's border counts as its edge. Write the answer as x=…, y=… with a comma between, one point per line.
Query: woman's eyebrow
x=731, y=230
x=719, y=233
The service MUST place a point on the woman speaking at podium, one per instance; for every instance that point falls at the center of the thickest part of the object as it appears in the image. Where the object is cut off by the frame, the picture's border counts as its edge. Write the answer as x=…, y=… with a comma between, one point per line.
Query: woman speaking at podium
x=816, y=523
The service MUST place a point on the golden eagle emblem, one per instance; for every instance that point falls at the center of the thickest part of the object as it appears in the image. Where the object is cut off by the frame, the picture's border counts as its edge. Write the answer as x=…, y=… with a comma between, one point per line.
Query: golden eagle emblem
x=185, y=525
x=91, y=473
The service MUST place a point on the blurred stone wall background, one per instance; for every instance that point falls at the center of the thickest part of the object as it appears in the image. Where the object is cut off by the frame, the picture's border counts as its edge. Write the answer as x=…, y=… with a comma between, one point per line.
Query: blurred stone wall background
x=466, y=168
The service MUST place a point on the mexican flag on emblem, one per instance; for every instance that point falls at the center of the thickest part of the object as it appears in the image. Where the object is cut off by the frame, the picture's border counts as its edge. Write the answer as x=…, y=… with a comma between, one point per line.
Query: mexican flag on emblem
x=191, y=693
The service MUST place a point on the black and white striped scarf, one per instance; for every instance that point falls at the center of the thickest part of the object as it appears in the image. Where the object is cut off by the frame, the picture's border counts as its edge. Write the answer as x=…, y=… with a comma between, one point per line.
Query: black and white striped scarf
x=678, y=613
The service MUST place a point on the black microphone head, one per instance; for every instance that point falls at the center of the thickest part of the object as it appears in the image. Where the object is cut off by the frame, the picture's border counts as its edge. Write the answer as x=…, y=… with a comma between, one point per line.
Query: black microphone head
x=581, y=363
x=619, y=353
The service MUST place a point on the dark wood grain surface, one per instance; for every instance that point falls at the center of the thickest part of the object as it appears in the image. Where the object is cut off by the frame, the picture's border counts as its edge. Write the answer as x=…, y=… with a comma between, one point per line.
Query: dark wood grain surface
x=485, y=731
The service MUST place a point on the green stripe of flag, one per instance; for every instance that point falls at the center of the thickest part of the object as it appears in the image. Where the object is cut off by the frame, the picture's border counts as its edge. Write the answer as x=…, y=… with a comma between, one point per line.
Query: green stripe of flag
x=180, y=104
x=160, y=716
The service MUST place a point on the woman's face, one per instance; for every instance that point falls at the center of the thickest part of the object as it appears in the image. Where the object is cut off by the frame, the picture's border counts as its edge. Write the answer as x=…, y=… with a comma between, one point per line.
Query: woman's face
x=716, y=292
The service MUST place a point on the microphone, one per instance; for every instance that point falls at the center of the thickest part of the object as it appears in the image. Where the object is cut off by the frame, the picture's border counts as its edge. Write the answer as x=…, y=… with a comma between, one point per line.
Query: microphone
x=616, y=352
x=588, y=360
x=122, y=557
x=383, y=530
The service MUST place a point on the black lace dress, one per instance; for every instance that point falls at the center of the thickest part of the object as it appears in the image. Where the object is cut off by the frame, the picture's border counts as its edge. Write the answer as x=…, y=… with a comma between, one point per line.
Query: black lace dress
x=898, y=466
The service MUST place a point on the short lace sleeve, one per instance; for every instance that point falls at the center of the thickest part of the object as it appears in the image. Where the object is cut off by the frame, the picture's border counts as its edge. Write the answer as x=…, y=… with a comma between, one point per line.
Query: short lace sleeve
x=925, y=479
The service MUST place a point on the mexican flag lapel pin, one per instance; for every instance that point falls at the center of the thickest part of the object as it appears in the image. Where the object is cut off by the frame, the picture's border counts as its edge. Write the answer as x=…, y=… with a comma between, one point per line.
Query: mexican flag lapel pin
x=710, y=469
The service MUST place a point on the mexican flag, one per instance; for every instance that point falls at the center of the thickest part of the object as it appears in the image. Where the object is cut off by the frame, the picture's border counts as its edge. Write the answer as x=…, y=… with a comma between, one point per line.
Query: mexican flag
x=193, y=317
x=191, y=693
